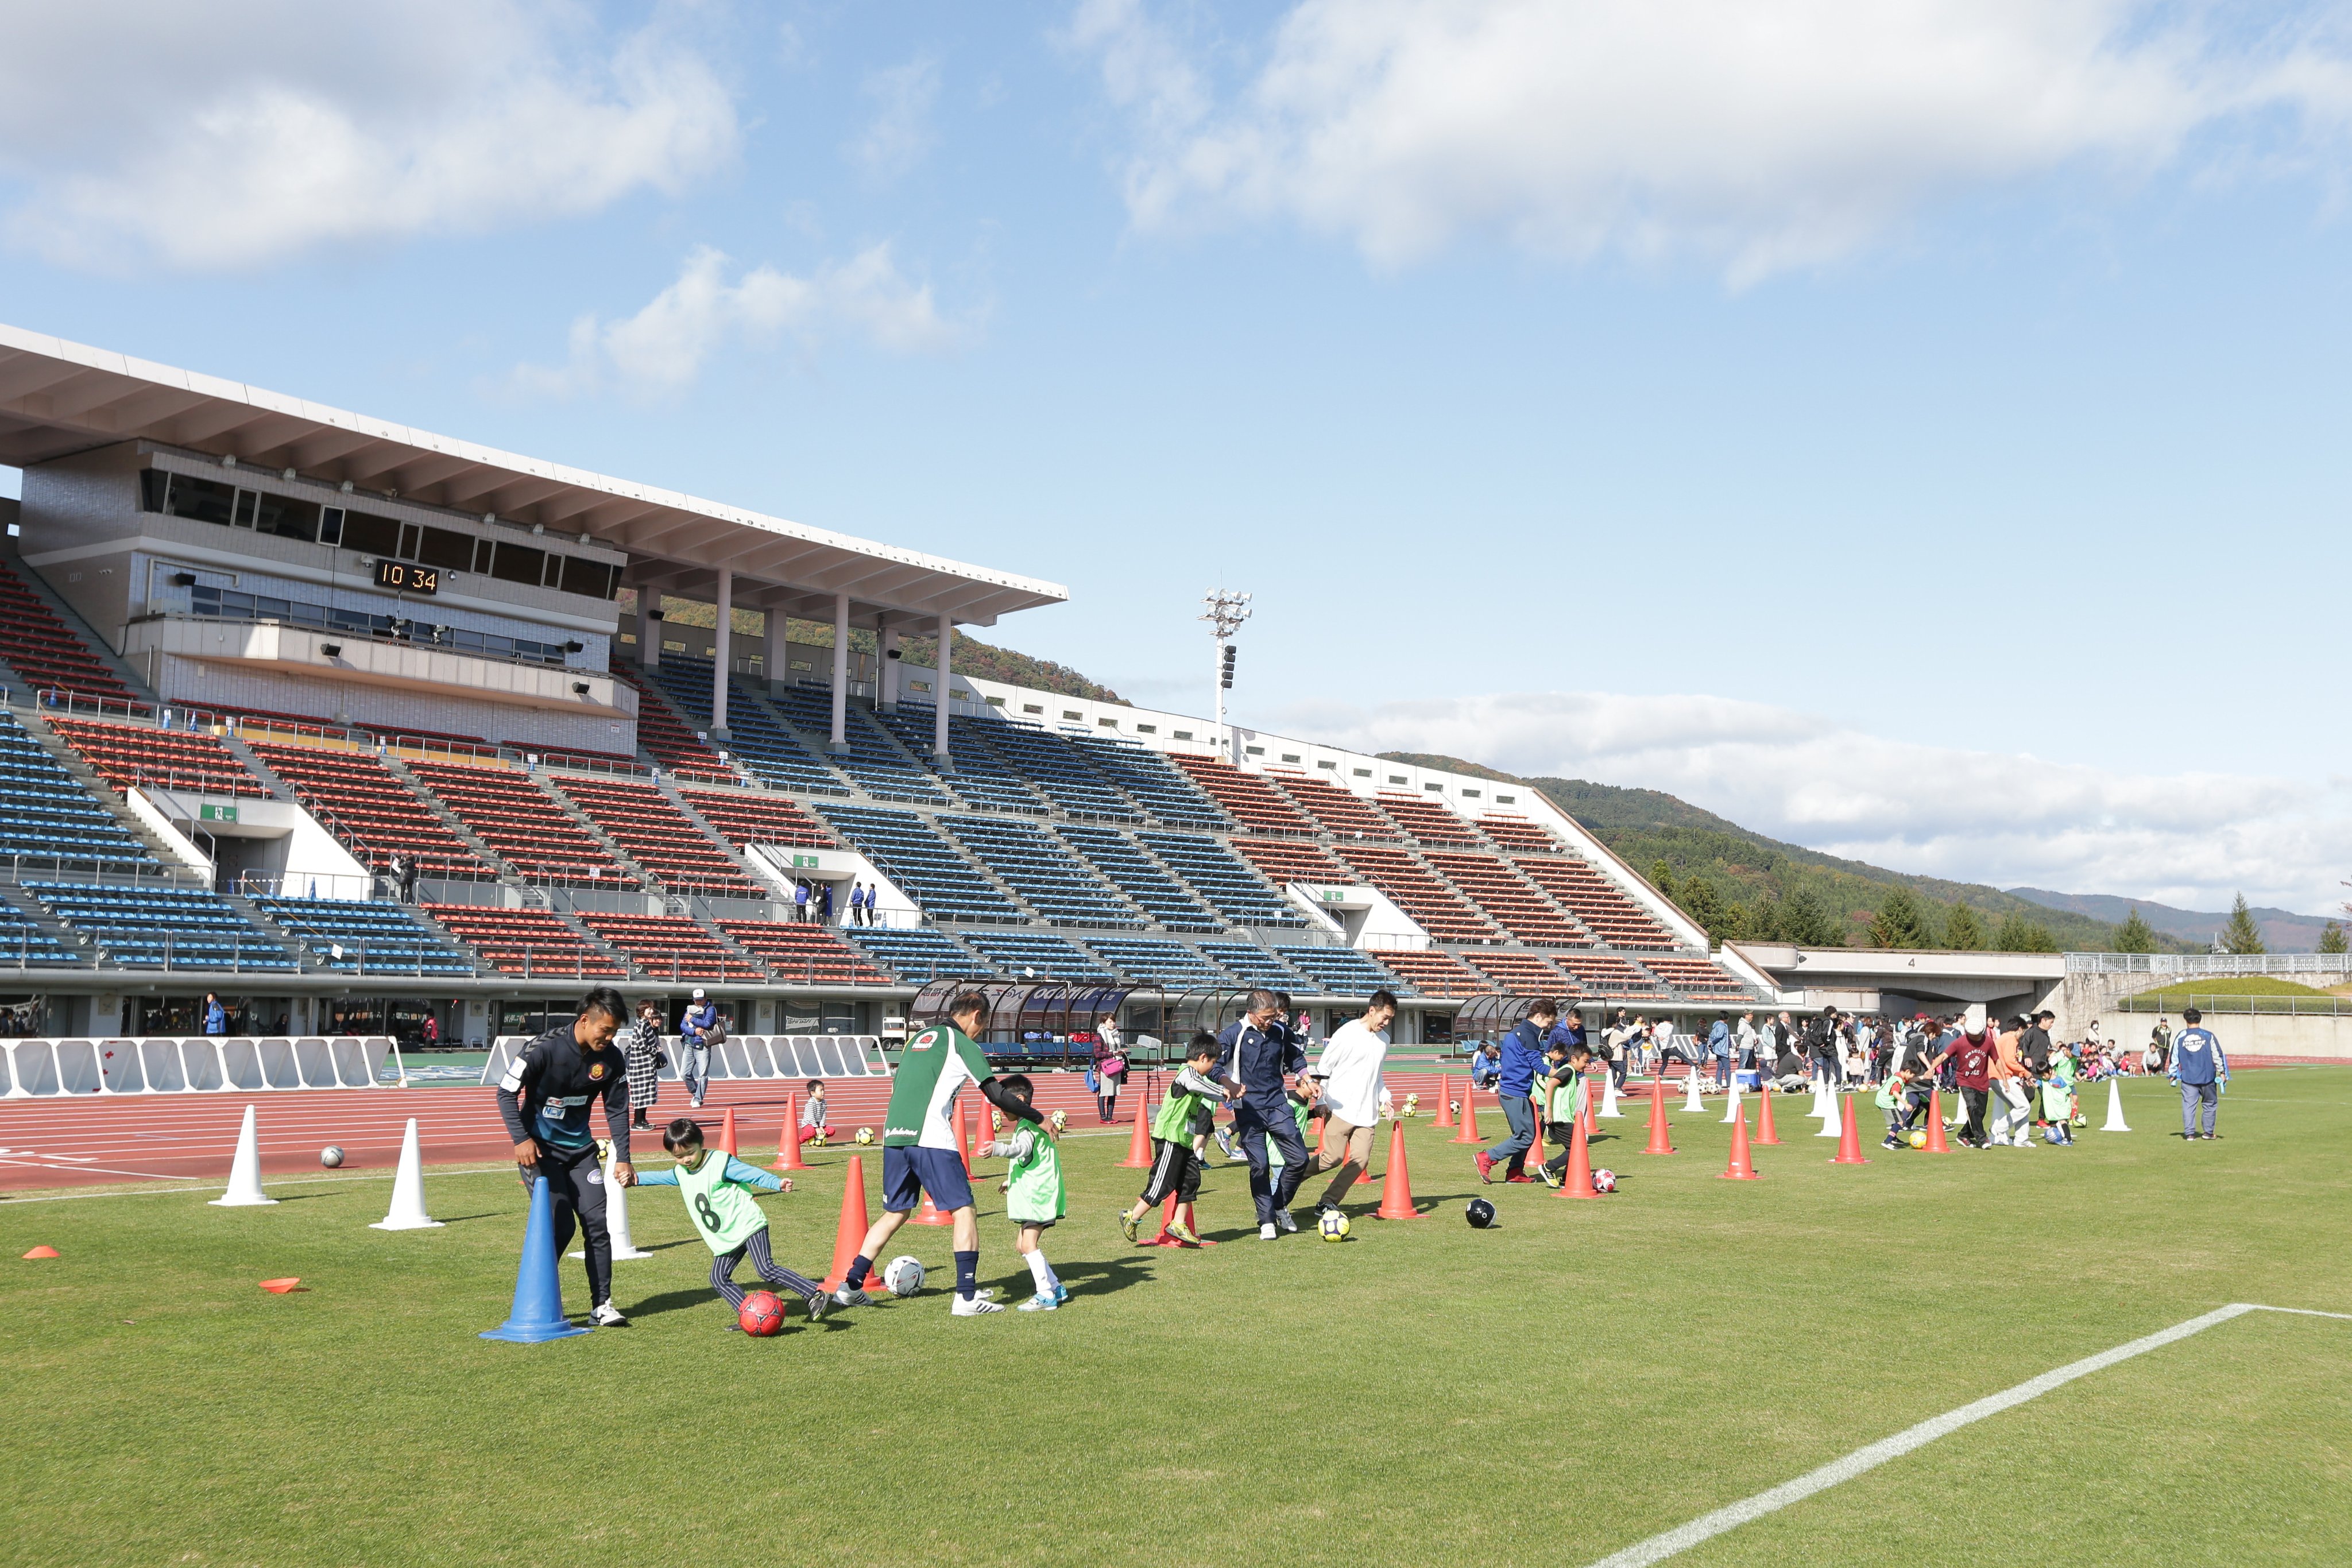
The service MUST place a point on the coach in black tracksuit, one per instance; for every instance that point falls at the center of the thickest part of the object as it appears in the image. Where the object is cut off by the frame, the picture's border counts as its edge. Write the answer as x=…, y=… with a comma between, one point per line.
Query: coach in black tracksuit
x=544, y=1099
x=1263, y=1057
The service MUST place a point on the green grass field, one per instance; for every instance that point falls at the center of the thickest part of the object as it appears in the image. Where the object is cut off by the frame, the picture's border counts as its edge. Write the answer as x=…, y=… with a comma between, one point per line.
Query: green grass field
x=1581, y=1377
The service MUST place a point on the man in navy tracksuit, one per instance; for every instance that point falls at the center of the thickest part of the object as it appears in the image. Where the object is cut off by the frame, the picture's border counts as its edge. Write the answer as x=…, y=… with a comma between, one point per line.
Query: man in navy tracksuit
x=2201, y=1070
x=1523, y=1051
x=1261, y=1058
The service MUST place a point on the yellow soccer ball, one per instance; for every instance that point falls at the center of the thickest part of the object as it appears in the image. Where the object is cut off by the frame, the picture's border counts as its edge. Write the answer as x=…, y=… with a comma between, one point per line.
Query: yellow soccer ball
x=864, y=1135
x=816, y=1138
x=1918, y=1140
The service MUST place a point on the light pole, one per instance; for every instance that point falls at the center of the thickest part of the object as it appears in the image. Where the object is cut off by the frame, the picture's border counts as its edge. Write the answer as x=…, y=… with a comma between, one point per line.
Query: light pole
x=1225, y=613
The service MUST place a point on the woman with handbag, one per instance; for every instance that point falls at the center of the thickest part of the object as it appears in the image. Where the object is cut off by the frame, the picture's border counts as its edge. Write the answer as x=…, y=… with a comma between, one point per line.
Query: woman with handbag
x=1109, y=1068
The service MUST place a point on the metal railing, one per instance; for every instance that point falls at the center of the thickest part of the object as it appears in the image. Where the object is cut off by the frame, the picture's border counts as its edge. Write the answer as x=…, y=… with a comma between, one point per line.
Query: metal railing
x=2171, y=1003
x=2210, y=965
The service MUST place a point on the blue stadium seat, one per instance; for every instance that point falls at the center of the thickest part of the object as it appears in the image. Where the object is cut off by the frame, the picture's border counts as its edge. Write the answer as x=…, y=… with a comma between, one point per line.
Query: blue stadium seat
x=878, y=767
x=915, y=955
x=365, y=939
x=1155, y=960
x=1154, y=782
x=1252, y=964
x=1042, y=870
x=1057, y=770
x=1034, y=956
x=921, y=862
x=1232, y=888
x=980, y=778
x=1342, y=971
x=1127, y=868
x=46, y=813
x=24, y=946
x=754, y=739
x=150, y=928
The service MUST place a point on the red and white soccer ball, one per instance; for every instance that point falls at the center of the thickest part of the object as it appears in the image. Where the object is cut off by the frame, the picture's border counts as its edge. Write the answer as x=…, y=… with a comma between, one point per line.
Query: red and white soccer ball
x=903, y=1276
x=762, y=1314
x=1604, y=1181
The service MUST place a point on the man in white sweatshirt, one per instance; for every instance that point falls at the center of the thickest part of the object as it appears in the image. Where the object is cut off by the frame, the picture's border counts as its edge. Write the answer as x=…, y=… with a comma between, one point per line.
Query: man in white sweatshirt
x=1351, y=1074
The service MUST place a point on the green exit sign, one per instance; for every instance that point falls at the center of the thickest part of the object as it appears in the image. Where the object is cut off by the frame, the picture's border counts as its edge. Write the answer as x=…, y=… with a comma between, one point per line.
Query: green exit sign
x=1332, y=895
x=808, y=862
x=216, y=813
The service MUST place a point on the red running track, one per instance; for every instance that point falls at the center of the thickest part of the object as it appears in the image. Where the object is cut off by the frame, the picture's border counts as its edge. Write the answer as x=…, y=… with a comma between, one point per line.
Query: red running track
x=177, y=1137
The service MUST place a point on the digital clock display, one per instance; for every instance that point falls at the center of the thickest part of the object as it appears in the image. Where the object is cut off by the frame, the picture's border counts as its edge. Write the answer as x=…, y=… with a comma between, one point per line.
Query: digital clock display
x=407, y=577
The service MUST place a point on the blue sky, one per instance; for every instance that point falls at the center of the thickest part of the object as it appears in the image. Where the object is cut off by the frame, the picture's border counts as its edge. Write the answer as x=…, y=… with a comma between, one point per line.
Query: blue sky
x=1913, y=430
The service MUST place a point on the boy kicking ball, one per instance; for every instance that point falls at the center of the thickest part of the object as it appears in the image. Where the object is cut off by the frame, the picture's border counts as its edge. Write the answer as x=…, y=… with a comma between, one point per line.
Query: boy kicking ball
x=1175, y=1163
x=717, y=1191
x=1034, y=1195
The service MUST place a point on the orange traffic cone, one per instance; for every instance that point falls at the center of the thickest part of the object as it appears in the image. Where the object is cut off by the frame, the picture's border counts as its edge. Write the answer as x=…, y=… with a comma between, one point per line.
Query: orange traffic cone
x=1444, y=1106
x=42, y=1252
x=1764, y=1133
x=788, y=1144
x=849, y=1235
x=1167, y=1214
x=964, y=1146
x=1591, y=1127
x=1364, y=1177
x=1469, y=1132
x=1741, y=1168
x=1396, y=1196
x=1139, y=1147
x=1936, y=1144
x=1661, y=1143
x=727, y=1133
x=1577, y=1181
x=1849, y=1141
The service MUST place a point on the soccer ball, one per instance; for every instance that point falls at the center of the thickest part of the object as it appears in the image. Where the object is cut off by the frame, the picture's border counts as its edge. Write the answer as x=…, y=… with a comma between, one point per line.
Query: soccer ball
x=1480, y=1214
x=1453, y=1107
x=331, y=1156
x=2082, y=1120
x=1061, y=1120
x=1604, y=1181
x=1333, y=1226
x=864, y=1135
x=903, y=1276
x=1412, y=1104
x=762, y=1314
x=816, y=1138
x=1918, y=1140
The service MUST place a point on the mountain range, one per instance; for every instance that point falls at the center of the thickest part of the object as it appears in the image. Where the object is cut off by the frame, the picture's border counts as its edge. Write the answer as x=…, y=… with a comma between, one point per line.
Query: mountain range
x=2283, y=931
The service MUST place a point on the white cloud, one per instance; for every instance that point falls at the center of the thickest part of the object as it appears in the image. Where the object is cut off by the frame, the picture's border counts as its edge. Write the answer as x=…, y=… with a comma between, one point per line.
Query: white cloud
x=1759, y=137
x=241, y=133
x=2187, y=839
x=662, y=347
x=901, y=133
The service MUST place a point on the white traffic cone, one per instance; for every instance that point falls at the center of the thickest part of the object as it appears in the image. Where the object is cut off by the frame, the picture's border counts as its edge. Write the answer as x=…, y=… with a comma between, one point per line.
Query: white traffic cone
x=1691, y=1101
x=616, y=1215
x=1609, y=1098
x=2114, y=1108
x=407, y=1211
x=1731, y=1112
x=1833, y=1127
x=245, y=1171
x=1824, y=1104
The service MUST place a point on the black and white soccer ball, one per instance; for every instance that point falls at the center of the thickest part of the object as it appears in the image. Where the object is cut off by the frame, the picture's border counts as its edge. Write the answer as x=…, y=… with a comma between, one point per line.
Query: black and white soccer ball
x=331, y=1158
x=1479, y=1213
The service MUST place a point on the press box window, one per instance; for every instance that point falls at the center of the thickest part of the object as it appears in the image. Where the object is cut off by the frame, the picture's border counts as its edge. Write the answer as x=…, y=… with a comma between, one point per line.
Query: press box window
x=447, y=549
x=519, y=563
x=368, y=534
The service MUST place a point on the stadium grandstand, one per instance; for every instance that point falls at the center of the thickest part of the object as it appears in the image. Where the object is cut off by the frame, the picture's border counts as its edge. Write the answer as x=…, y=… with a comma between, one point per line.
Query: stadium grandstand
x=303, y=706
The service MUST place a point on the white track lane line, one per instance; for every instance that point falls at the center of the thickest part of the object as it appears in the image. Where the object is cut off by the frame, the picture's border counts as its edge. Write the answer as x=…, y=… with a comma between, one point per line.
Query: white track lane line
x=215, y=1186
x=1658, y=1548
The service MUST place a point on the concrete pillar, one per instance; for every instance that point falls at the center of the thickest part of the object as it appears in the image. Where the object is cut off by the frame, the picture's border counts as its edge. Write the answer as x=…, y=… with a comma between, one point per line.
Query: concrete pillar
x=885, y=679
x=722, y=654
x=775, y=658
x=648, y=628
x=840, y=671
x=940, y=724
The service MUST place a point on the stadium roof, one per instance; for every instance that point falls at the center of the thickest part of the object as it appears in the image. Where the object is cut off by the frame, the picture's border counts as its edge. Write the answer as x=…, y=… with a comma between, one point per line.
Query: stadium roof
x=58, y=398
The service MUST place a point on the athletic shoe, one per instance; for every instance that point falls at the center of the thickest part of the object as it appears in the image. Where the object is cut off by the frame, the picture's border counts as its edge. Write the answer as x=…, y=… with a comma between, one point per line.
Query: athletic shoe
x=1061, y=1292
x=1283, y=1222
x=819, y=1303
x=1550, y=1176
x=1267, y=1232
x=1184, y=1233
x=1485, y=1167
x=1226, y=1144
x=1127, y=1224
x=974, y=1307
x=1041, y=1302
x=607, y=1316
x=850, y=1296
x=1890, y=1143
x=1521, y=1177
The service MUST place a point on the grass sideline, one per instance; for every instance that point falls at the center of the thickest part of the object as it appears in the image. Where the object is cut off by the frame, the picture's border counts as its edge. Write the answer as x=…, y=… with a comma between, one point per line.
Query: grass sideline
x=1581, y=1377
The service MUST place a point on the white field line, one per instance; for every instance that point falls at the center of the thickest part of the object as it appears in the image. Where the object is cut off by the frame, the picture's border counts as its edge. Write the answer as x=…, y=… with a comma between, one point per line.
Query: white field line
x=1682, y=1538
x=213, y=1185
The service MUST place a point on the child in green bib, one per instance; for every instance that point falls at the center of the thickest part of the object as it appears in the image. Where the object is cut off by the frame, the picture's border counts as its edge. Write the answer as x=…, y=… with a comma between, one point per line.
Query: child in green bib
x=717, y=1191
x=1563, y=1081
x=1034, y=1195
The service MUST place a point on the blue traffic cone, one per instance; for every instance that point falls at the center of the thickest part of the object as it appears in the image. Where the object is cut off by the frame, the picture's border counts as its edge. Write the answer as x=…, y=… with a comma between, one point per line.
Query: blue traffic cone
x=538, y=1313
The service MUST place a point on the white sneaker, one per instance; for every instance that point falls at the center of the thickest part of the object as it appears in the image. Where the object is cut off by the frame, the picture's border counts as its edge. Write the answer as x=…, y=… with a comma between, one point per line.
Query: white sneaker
x=1043, y=1301
x=1267, y=1232
x=974, y=1307
x=607, y=1316
x=1283, y=1222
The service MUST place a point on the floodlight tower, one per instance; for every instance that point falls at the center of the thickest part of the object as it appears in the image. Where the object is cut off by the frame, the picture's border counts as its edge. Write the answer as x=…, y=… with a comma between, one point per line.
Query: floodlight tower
x=1225, y=613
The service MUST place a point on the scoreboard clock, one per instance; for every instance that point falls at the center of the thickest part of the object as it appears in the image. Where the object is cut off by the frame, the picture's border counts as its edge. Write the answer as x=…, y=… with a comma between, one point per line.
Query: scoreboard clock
x=407, y=577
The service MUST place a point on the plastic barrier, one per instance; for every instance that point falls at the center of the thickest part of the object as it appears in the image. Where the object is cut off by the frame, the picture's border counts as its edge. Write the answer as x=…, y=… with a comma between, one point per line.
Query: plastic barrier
x=39, y=1069
x=759, y=1057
